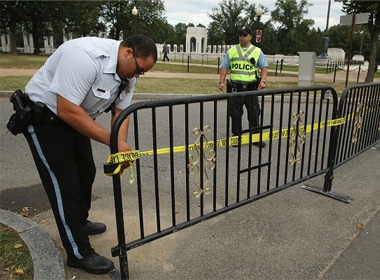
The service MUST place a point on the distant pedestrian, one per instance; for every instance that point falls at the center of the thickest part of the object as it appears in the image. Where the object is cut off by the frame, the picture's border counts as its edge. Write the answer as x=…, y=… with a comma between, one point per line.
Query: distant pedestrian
x=165, y=51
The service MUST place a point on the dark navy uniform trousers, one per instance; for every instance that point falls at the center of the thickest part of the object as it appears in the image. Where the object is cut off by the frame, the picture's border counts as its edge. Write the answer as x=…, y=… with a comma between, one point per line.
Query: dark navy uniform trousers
x=65, y=163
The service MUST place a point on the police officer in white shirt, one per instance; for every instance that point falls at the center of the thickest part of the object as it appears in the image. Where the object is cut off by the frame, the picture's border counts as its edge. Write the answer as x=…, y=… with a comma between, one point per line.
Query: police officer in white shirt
x=82, y=79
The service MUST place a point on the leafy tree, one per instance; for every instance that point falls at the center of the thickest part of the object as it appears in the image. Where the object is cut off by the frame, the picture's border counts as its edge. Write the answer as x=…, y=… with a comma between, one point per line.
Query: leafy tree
x=230, y=19
x=180, y=30
x=215, y=34
x=269, y=43
x=77, y=18
x=373, y=8
x=312, y=37
x=293, y=27
x=9, y=19
x=339, y=36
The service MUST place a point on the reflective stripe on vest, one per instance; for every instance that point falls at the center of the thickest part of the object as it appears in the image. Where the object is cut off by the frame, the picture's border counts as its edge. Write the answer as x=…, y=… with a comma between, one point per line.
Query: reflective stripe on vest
x=242, y=68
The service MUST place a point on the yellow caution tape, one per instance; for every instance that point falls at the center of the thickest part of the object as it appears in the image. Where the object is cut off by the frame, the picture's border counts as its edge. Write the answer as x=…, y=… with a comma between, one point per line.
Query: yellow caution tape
x=131, y=156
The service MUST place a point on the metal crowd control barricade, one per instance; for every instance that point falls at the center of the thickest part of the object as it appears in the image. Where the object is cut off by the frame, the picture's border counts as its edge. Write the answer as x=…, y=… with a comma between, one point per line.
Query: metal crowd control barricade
x=357, y=130
x=189, y=168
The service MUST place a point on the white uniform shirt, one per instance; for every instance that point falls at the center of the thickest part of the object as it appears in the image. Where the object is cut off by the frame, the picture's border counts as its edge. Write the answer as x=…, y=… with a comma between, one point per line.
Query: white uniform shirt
x=82, y=71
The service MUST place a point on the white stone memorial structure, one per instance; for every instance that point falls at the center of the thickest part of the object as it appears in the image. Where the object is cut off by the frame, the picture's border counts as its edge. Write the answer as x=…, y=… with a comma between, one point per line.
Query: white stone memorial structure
x=196, y=39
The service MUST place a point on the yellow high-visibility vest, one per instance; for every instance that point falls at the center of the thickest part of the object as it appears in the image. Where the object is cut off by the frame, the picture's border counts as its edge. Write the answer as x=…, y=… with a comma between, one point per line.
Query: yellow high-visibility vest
x=241, y=66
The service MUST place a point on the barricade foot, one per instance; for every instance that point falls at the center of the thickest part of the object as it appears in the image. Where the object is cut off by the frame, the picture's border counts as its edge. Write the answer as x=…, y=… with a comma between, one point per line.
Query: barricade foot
x=338, y=196
x=115, y=274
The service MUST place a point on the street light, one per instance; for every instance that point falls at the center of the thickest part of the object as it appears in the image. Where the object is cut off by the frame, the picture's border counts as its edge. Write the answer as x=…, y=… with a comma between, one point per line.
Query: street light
x=325, y=39
x=259, y=13
x=134, y=13
x=361, y=43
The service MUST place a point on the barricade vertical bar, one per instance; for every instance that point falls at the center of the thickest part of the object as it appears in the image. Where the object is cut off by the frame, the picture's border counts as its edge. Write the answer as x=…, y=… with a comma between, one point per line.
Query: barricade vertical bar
x=249, y=164
x=138, y=171
x=216, y=155
x=155, y=168
x=172, y=188
x=120, y=250
x=287, y=144
x=201, y=164
x=324, y=96
x=318, y=133
x=187, y=129
x=261, y=139
x=270, y=146
x=238, y=166
x=297, y=137
x=305, y=125
x=331, y=159
x=226, y=184
x=343, y=112
x=363, y=117
x=312, y=133
x=279, y=147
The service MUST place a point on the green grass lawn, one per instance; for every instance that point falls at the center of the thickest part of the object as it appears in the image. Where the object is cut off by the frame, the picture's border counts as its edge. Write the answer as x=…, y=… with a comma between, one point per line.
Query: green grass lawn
x=157, y=85
x=15, y=260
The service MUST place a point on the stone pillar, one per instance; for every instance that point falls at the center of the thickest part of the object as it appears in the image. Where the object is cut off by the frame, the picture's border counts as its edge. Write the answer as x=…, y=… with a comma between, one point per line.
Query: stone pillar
x=5, y=43
x=306, y=69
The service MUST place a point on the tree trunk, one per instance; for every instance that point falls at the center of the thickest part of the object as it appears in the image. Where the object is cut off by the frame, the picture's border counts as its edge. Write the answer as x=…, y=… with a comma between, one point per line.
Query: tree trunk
x=375, y=32
x=35, y=34
x=12, y=40
x=372, y=59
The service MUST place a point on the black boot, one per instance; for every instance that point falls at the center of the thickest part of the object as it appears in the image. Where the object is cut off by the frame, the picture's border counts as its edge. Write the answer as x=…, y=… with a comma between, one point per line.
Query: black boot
x=93, y=263
x=94, y=228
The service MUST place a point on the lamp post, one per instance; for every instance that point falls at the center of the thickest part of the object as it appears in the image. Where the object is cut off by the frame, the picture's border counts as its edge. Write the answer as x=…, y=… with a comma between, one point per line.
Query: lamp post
x=361, y=42
x=259, y=13
x=134, y=13
x=325, y=40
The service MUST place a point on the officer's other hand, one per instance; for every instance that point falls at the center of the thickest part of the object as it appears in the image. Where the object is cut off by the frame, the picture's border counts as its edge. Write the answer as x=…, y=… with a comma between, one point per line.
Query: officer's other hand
x=124, y=147
x=262, y=85
x=221, y=86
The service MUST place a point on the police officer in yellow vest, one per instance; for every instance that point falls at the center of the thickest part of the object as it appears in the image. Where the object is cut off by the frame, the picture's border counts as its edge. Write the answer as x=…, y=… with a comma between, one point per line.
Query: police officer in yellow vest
x=249, y=68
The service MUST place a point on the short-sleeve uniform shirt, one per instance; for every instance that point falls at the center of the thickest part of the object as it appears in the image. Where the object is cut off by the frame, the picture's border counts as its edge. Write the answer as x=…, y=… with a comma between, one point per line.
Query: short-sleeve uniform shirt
x=83, y=71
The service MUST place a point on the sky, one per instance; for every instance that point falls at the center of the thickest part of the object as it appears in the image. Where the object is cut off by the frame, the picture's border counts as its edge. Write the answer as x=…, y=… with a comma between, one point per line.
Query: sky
x=195, y=11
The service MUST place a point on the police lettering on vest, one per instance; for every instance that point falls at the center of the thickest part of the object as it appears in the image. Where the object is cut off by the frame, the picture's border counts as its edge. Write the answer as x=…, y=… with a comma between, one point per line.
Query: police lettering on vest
x=238, y=66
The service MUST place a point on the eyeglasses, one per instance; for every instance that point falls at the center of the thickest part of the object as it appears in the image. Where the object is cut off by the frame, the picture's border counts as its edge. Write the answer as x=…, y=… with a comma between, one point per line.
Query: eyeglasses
x=139, y=71
x=243, y=34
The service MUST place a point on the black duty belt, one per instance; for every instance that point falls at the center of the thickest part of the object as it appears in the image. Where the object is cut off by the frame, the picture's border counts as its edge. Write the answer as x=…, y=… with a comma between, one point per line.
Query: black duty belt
x=238, y=86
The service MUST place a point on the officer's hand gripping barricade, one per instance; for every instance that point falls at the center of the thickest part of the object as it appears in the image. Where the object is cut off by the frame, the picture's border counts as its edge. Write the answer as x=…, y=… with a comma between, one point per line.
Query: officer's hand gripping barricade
x=26, y=112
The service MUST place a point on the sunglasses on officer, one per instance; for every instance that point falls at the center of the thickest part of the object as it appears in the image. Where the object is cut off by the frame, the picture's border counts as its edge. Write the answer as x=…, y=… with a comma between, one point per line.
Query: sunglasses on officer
x=243, y=34
x=139, y=71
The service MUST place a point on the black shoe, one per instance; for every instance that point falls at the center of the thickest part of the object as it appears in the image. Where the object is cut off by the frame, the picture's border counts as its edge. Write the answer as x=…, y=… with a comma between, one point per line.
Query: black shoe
x=260, y=144
x=94, y=228
x=94, y=264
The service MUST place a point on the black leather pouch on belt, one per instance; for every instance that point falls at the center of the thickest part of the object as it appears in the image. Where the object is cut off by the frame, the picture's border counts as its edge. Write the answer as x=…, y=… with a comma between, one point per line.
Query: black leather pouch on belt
x=23, y=113
x=28, y=112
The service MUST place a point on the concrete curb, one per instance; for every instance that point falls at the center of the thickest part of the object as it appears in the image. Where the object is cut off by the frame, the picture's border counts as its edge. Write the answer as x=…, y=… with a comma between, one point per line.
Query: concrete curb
x=47, y=260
